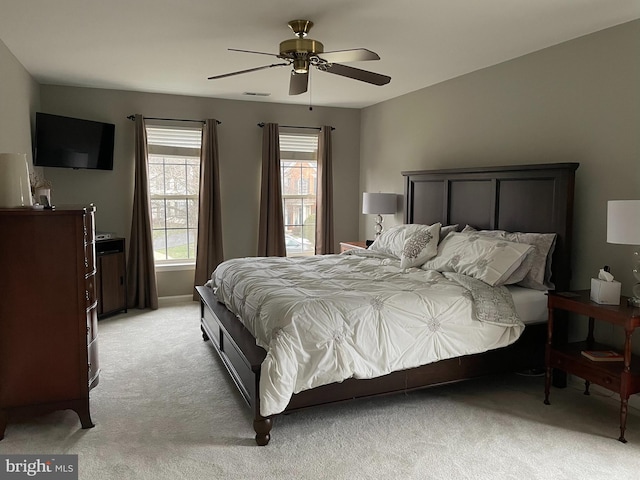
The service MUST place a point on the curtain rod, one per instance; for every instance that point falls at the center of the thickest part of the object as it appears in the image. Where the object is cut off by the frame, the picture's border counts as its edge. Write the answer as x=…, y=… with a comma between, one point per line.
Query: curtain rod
x=132, y=117
x=262, y=124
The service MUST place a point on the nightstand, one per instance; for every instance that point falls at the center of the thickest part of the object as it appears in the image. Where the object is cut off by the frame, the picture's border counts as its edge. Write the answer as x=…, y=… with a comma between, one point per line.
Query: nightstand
x=344, y=246
x=622, y=377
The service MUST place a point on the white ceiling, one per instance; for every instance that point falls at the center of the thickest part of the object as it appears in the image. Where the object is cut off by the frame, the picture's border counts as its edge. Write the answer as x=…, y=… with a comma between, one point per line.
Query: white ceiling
x=172, y=46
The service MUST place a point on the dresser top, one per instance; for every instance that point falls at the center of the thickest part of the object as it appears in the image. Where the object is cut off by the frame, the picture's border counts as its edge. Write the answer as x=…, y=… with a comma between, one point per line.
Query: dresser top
x=57, y=210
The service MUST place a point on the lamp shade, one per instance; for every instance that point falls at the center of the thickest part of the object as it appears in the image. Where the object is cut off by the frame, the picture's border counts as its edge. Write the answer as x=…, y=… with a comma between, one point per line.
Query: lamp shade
x=15, y=189
x=379, y=203
x=623, y=222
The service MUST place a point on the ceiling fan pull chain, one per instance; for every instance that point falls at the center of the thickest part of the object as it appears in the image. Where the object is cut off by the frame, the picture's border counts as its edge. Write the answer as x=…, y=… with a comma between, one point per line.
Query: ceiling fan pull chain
x=310, y=90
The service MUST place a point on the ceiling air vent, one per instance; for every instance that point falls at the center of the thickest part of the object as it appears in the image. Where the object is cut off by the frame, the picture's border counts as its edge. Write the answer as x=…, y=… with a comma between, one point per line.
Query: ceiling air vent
x=256, y=94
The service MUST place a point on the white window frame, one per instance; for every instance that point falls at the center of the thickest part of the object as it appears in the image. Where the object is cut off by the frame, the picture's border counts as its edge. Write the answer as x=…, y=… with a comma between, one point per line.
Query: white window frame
x=169, y=141
x=302, y=150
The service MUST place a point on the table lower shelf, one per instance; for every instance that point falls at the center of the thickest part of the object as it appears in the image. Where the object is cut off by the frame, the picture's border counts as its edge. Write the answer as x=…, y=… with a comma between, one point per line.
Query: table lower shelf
x=609, y=375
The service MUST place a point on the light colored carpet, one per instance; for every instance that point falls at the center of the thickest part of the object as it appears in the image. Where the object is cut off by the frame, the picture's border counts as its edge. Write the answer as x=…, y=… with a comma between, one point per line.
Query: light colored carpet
x=165, y=409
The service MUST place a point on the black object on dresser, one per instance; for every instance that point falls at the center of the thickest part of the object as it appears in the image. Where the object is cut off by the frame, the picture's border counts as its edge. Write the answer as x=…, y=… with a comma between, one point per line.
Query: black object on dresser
x=111, y=277
x=48, y=312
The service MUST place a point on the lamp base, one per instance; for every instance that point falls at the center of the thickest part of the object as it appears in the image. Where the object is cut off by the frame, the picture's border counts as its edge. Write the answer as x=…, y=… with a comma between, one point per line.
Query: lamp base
x=633, y=301
x=378, y=227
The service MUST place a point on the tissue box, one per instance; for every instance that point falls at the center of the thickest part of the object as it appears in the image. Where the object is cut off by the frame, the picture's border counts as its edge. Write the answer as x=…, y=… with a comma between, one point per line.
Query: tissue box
x=605, y=293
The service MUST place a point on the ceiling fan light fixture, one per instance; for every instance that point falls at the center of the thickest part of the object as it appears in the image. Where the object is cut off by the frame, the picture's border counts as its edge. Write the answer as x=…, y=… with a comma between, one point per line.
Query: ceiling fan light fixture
x=301, y=65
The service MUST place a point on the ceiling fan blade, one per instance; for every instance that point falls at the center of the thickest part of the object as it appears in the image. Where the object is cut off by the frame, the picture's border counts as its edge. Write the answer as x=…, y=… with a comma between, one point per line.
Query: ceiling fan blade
x=239, y=72
x=298, y=83
x=354, y=55
x=356, y=74
x=251, y=51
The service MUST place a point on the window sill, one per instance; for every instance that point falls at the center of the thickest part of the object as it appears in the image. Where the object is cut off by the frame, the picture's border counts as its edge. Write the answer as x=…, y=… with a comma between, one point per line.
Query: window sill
x=173, y=267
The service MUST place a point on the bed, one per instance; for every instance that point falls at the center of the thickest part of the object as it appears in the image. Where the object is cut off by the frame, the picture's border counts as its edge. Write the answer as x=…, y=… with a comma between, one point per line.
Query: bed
x=524, y=198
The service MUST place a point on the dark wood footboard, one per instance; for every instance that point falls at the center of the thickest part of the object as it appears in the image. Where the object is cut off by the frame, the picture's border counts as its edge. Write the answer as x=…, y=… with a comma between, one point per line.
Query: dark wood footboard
x=239, y=353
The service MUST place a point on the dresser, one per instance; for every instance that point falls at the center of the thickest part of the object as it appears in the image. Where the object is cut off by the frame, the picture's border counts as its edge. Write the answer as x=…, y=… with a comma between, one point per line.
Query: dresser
x=48, y=312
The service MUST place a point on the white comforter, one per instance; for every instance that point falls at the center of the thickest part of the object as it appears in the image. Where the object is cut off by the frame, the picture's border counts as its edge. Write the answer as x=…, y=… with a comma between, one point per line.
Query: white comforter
x=324, y=319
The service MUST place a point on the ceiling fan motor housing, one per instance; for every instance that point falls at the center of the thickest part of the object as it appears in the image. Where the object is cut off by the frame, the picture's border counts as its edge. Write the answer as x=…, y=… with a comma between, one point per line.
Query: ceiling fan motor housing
x=300, y=50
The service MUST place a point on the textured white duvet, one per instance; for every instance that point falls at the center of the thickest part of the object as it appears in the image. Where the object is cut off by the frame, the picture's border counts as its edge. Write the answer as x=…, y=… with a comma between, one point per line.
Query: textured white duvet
x=327, y=318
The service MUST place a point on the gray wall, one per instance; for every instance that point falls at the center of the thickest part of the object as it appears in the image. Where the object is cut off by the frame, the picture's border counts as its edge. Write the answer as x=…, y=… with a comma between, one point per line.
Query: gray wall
x=240, y=146
x=575, y=102
x=19, y=99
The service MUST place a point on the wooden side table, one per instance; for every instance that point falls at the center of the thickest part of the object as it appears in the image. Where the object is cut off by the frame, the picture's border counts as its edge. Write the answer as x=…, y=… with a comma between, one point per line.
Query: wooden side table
x=344, y=246
x=620, y=377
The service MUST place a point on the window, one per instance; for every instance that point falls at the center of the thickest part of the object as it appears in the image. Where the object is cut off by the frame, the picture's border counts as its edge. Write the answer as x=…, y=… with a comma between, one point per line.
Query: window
x=298, y=169
x=174, y=179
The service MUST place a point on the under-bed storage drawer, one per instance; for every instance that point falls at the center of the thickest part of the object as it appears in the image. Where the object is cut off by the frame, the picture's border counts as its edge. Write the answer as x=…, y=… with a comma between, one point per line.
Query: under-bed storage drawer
x=213, y=327
x=243, y=376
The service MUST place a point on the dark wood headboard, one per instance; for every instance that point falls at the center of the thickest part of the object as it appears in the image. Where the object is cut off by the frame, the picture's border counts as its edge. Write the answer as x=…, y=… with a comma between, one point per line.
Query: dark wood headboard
x=520, y=198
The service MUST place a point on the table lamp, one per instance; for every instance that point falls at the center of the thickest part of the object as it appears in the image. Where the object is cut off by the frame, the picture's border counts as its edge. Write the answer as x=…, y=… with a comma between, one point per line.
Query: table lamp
x=15, y=188
x=378, y=204
x=623, y=227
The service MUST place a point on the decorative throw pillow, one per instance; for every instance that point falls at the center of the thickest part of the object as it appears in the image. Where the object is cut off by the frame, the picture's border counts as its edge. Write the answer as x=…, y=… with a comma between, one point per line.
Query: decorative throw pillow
x=420, y=246
x=391, y=241
x=538, y=275
x=491, y=260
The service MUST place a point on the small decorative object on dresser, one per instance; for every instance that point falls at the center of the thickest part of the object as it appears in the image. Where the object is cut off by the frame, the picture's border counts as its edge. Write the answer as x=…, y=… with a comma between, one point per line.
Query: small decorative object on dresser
x=48, y=312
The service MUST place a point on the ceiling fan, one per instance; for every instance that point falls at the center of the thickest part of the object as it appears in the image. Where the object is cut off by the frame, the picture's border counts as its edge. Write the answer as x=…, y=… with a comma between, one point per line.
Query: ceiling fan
x=302, y=53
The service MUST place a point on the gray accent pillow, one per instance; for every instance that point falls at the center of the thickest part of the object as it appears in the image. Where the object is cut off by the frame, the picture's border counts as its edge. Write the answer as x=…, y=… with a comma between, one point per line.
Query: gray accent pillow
x=538, y=275
x=491, y=260
x=446, y=230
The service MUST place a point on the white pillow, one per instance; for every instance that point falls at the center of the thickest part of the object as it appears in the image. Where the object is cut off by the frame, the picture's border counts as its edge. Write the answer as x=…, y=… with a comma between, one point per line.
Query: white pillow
x=487, y=259
x=391, y=241
x=420, y=246
x=538, y=274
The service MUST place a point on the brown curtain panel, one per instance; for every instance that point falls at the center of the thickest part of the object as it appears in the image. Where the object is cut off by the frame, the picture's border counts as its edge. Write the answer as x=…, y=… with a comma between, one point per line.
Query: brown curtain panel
x=324, y=195
x=209, y=249
x=271, y=230
x=142, y=291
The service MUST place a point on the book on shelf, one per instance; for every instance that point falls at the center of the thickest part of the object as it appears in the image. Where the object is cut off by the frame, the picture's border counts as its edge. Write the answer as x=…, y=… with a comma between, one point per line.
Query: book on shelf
x=603, y=355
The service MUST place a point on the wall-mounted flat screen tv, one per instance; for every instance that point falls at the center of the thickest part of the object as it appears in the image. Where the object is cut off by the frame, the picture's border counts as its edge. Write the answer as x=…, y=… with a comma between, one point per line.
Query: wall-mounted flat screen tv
x=73, y=142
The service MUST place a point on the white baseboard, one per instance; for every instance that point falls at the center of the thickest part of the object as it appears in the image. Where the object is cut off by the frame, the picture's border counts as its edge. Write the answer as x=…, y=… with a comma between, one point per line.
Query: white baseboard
x=577, y=382
x=172, y=300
